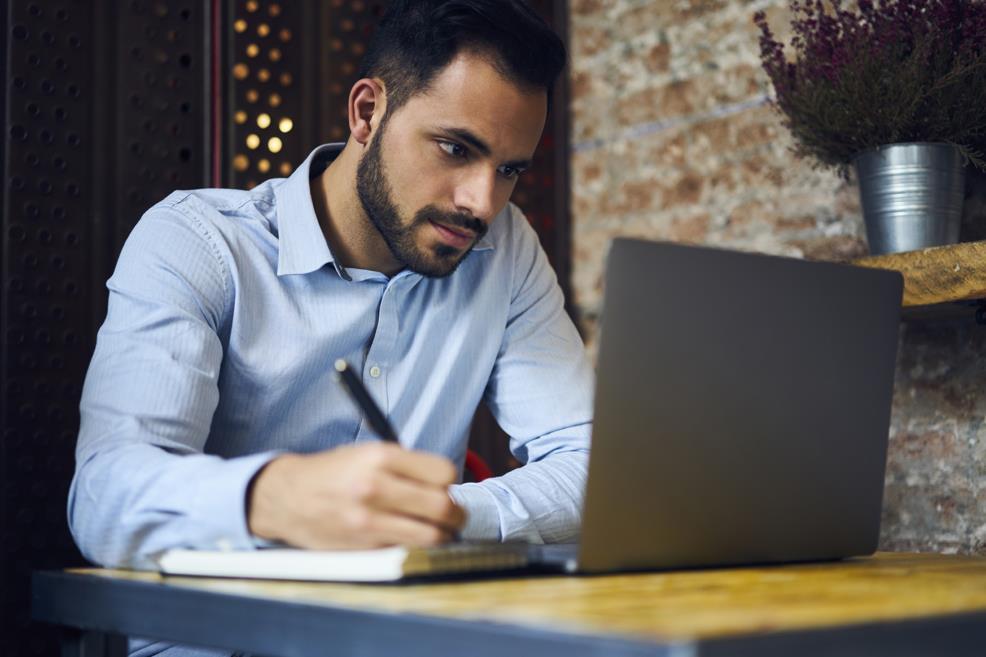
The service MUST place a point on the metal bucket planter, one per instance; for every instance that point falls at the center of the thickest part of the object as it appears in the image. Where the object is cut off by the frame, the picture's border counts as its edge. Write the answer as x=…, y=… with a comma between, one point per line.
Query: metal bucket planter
x=911, y=195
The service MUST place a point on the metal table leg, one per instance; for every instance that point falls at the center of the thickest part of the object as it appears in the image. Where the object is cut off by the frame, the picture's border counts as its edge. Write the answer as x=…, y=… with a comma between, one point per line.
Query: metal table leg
x=88, y=643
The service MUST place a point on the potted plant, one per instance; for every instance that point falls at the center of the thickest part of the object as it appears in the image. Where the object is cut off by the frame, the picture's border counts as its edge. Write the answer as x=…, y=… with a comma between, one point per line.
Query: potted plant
x=895, y=89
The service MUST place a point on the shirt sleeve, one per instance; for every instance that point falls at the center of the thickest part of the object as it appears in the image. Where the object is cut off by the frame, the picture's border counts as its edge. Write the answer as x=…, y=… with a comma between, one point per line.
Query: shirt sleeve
x=142, y=482
x=540, y=392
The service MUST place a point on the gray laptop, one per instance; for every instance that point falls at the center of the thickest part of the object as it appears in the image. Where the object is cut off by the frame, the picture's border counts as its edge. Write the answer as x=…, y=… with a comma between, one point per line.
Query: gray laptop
x=742, y=410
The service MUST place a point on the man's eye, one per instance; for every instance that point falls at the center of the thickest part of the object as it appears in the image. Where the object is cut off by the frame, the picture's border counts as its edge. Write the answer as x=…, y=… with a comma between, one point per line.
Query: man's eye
x=510, y=172
x=451, y=148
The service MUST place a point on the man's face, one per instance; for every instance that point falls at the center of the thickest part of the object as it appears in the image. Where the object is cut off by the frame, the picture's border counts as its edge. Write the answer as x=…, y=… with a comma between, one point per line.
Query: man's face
x=444, y=164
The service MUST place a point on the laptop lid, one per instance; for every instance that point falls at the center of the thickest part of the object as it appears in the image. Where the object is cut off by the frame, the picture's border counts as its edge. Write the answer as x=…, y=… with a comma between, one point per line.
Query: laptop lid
x=742, y=409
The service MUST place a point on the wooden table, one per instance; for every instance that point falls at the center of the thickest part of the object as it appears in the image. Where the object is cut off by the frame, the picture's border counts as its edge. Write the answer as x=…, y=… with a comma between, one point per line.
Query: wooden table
x=891, y=604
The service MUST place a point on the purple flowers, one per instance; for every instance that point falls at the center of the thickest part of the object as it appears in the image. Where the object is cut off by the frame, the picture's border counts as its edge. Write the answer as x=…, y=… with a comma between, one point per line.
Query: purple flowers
x=877, y=72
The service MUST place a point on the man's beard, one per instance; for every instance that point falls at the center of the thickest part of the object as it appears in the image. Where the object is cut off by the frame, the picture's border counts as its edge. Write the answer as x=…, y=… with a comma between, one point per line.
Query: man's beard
x=374, y=193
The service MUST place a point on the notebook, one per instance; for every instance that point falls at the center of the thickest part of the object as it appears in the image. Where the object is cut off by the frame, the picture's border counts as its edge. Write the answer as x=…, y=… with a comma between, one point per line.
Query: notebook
x=741, y=417
x=381, y=565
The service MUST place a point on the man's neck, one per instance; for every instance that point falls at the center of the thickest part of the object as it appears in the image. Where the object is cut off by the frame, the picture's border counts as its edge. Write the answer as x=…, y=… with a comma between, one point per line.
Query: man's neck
x=351, y=236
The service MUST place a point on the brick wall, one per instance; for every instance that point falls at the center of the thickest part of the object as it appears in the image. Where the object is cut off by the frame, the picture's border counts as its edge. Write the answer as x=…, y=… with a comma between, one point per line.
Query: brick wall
x=673, y=138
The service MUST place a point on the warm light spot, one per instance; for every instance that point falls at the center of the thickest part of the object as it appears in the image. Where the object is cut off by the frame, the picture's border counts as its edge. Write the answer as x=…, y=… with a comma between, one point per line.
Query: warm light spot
x=274, y=144
x=274, y=10
x=263, y=166
x=251, y=184
x=241, y=162
x=251, y=6
x=240, y=117
x=285, y=168
x=285, y=125
x=263, y=29
x=263, y=75
x=274, y=100
x=252, y=141
x=285, y=34
x=252, y=95
x=241, y=71
x=286, y=79
x=263, y=121
x=274, y=54
x=252, y=50
x=240, y=25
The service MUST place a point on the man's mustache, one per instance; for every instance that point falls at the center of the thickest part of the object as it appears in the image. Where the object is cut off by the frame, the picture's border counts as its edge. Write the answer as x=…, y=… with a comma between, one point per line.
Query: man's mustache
x=456, y=219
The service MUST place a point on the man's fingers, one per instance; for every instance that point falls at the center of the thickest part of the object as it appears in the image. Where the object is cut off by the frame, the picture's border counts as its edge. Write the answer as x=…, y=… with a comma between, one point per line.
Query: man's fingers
x=379, y=529
x=402, y=530
x=422, y=502
x=361, y=496
x=371, y=528
x=419, y=466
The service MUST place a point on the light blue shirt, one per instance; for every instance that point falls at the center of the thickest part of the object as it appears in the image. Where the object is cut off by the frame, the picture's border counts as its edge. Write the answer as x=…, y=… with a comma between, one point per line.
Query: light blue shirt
x=226, y=313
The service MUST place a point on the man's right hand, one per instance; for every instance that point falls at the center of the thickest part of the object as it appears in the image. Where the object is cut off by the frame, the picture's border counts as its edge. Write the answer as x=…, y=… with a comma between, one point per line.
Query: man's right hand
x=360, y=496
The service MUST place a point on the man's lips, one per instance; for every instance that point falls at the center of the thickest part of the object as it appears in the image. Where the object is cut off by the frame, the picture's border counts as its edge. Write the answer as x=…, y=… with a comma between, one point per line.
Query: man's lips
x=457, y=237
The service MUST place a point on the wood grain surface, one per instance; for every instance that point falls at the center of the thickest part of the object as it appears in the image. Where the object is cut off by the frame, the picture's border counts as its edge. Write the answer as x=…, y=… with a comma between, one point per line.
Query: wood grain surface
x=937, y=275
x=665, y=606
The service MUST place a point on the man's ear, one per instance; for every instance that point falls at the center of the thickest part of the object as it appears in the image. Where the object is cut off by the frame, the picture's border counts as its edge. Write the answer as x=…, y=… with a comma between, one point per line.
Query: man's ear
x=367, y=104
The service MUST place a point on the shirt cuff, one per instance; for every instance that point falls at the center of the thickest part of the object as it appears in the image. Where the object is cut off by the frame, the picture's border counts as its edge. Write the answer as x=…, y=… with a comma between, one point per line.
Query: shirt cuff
x=221, y=502
x=482, y=514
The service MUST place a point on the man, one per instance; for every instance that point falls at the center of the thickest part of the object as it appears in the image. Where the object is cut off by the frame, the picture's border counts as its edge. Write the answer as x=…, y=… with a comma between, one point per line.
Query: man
x=211, y=416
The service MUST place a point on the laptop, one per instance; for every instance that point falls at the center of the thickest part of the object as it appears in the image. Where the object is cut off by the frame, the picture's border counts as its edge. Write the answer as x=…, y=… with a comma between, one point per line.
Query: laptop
x=741, y=417
x=742, y=410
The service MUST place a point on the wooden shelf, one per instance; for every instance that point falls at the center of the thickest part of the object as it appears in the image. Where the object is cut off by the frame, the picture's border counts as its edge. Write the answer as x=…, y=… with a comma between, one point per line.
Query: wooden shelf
x=953, y=276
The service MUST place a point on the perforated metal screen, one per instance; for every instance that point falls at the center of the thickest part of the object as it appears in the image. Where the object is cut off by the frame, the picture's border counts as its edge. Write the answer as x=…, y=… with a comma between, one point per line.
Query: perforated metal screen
x=269, y=77
x=105, y=113
x=160, y=135
x=46, y=271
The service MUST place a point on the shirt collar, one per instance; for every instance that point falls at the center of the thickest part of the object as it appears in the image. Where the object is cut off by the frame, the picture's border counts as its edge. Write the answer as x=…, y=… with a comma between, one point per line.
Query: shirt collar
x=301, y=243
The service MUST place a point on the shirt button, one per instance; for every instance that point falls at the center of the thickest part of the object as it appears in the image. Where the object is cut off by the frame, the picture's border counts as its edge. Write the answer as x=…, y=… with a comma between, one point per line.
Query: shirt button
x=375, y=372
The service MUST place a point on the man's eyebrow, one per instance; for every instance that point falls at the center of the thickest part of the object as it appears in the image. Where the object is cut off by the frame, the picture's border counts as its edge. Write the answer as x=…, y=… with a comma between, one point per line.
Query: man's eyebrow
x=468, y=137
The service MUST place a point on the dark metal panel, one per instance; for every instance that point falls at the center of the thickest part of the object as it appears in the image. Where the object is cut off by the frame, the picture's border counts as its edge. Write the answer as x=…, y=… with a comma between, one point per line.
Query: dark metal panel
x=104, y=114
x=160, y=138
x=346, y=28
x=561, y=125
x=266, y=75
x=542, y=192
x=46, y=297
x=4, y=257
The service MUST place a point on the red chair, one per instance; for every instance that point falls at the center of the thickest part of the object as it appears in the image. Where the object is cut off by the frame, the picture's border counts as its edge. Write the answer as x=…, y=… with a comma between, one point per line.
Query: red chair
x=477, y=466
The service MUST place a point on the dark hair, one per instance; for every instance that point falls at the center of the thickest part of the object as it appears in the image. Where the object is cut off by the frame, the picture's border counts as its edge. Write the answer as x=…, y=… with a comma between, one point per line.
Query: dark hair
x=416, y=39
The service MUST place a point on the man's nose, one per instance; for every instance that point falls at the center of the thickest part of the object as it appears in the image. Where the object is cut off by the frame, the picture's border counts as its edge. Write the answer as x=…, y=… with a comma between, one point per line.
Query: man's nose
x=475, y=194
